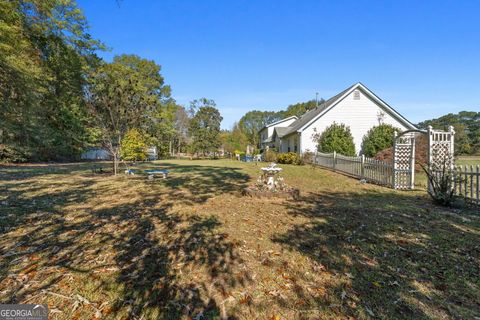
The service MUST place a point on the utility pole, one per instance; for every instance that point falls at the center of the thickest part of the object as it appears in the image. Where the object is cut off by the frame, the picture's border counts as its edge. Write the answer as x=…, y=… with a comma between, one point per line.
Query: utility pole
x=316, y=99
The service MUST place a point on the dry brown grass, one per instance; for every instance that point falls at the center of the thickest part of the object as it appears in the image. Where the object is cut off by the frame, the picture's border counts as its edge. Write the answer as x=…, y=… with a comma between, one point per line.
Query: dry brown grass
x=192, y=247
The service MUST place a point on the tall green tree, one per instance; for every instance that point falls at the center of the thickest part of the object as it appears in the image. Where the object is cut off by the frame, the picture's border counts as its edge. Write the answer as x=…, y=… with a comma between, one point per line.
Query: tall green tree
x=123, y=95
x=205, y=126
x=44, y=54
x=234, y=139
x=255, y=120
x=298, y=109
x=181, y=125
x=159, y=122
x=163, y=130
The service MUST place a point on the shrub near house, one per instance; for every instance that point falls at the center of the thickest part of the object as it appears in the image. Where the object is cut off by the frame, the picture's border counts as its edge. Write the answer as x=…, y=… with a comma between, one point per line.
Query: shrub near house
x=377, y=139
x=336, y=137
x=356, y=107
x=289, y=158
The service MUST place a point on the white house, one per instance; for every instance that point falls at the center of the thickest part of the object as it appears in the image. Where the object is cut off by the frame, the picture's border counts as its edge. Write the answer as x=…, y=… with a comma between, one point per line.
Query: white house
x=266, y=133
x=357, y=107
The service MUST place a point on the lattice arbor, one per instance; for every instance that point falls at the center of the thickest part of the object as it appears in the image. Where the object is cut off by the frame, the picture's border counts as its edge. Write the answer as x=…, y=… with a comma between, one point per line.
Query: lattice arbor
x=404, y=160
x=440, y=153
x=440, y=148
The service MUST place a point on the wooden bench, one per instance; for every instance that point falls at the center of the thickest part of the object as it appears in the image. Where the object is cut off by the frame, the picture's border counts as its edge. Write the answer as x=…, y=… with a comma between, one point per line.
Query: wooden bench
x=153, y=173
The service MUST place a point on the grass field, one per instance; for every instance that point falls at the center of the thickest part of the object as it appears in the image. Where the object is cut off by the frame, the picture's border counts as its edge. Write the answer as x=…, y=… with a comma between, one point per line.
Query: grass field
x=468, y=160
x=191, y=247
x=421, y=178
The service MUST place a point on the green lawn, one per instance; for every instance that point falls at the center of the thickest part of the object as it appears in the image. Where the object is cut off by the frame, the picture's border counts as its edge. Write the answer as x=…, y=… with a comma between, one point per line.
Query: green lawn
x=421, y=177
x=468, y=160
x=190, y=246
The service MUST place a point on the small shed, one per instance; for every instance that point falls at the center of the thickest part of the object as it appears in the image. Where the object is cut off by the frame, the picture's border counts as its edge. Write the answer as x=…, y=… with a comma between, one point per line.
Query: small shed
x=96, y=154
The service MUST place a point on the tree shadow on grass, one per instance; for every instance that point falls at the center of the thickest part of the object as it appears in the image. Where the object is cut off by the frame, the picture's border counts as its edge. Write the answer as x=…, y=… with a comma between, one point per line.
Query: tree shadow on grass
x=14, y=172
x=186, y=272
x=196, y=183
x=135, y=254
x=392, y=255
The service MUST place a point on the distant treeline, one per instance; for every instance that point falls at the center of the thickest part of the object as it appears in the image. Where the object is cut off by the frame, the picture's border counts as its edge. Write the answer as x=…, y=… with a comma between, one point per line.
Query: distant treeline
x=466, y=124
x=58, y=97
x=467, y=130
x=245, y=131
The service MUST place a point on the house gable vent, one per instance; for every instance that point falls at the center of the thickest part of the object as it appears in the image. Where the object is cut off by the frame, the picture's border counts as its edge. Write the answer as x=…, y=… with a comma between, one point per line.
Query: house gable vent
x=356, y=95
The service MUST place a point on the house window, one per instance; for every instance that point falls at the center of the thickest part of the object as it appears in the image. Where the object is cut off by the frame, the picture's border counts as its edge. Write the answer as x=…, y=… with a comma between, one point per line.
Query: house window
x=356, y=95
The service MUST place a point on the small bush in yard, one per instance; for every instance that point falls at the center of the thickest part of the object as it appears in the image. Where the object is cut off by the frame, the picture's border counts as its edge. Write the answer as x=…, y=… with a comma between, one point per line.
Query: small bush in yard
x=421, y=153
x=377, y=139
x=308, y=157
x=134, y=146
x=289, y=158
x=441, y=178
x=336, y=138
x=271, y=156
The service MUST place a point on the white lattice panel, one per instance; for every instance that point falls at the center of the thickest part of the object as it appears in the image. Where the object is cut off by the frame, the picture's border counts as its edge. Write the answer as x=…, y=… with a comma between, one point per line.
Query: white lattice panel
x=404, y=152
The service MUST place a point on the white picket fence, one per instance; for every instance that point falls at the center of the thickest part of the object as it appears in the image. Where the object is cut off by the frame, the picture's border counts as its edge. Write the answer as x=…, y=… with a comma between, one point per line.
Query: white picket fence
x=467, y=183
x=372, y=170
x=467, y=178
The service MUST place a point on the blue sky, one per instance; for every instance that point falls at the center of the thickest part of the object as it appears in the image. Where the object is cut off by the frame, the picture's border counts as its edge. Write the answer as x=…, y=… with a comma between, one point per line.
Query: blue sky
x=421, y=57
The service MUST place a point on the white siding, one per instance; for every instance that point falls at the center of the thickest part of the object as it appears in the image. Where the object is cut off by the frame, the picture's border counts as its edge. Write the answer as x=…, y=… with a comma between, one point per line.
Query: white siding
x=285, y=123
x=360, y=115
x=268, y=131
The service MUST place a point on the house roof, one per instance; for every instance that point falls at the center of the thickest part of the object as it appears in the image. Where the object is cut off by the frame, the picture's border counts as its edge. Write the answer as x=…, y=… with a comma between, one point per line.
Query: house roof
x=281, y=131
x=278, y=122
x=310, y=116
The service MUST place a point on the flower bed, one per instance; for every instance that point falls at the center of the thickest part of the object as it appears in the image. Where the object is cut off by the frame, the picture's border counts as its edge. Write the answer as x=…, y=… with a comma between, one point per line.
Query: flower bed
x=290, y=193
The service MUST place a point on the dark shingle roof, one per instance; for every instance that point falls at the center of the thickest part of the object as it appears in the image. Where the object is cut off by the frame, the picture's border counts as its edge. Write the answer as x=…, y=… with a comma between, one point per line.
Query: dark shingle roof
x=309, y=115
x=281, y=131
